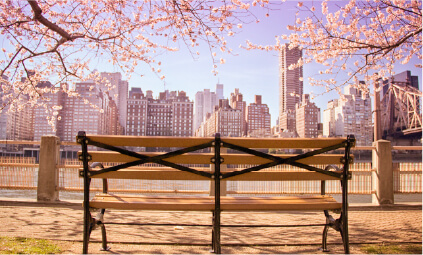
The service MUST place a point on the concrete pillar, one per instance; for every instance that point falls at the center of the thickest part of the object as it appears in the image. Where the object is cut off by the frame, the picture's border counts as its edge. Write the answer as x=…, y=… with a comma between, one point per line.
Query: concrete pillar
x=383, y=176
x=48, y=174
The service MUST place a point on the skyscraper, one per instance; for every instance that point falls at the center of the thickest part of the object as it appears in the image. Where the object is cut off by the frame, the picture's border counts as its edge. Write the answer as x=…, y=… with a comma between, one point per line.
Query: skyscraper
x=290, y=87
x=204, y=103
x=219, y=91
x=119, y=93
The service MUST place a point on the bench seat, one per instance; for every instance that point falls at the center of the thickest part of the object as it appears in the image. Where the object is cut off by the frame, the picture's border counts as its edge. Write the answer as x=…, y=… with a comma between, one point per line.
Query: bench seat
x=207, y=203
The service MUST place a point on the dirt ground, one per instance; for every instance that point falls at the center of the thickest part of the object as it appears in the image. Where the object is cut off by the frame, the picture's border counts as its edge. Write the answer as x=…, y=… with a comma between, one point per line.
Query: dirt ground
x=62, y=223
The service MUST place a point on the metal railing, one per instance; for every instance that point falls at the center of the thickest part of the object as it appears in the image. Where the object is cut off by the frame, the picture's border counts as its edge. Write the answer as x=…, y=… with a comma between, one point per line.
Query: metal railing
x=22, y=173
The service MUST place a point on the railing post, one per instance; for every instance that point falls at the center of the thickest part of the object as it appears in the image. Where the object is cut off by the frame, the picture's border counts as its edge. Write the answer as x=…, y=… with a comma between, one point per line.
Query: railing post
x=382, y=176
x=48, y=175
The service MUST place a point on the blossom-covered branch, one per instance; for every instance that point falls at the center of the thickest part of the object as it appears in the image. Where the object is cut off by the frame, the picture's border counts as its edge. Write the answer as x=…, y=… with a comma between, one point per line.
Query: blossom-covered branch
x=56, y=40
x=362, y=40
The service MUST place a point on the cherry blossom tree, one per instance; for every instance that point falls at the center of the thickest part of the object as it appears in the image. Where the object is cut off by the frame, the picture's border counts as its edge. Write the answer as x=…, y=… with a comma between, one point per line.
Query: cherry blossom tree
x=362, y=40
x=56, y=40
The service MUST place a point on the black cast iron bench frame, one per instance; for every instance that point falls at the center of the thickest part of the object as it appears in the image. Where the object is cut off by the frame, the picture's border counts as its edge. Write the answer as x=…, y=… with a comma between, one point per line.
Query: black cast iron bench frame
x=88, y=172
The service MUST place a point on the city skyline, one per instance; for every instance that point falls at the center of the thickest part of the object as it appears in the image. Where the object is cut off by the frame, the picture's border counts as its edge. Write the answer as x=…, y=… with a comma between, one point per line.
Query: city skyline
x=254, y=72
x=171, y=113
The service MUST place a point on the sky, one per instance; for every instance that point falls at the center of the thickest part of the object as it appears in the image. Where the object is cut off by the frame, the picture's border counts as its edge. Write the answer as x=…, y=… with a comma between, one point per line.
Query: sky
x=253, y=72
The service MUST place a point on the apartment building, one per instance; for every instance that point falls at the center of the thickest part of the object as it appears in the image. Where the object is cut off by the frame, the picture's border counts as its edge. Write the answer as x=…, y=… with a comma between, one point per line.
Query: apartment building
x=236, y=102
x=183, y=115
x=224, y=120
x=307, y=118
x=16, y=124
x=258, y=118
x=57, y=101
x=136, y=113
x=78, y=113
x=329, y=119
x=350, y=115
x=171, y=114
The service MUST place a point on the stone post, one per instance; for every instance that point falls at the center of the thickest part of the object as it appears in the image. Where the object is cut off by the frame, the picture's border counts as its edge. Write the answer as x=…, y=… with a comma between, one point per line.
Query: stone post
x=48, y=175
x=383, y=176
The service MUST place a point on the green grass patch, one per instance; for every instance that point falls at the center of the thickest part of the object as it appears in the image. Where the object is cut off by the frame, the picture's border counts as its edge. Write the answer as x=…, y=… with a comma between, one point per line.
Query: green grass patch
x=20, y=245
x=392, y=248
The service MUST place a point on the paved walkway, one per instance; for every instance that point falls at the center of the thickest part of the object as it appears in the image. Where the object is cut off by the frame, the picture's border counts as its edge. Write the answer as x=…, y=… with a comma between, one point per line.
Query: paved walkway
x=63, y=221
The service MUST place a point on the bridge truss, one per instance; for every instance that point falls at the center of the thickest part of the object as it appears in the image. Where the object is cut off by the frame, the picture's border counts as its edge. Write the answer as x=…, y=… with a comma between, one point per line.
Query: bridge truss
x=401, y=110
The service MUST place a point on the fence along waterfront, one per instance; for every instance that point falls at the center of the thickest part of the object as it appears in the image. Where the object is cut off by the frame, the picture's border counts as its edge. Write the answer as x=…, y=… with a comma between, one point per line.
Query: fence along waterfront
x=21, y=173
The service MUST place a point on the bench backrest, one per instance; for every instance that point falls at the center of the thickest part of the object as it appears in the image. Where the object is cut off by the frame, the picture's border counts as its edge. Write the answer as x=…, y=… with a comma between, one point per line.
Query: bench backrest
x=184, y=151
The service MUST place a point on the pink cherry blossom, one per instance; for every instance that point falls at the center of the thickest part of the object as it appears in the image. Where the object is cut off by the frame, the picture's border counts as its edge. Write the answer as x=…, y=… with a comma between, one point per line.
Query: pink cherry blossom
x=50, y=38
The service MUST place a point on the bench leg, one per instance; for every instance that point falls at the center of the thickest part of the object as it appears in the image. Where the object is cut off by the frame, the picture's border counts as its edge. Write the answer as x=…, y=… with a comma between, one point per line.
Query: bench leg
x=88, y=227
x=213, y=243
x=324, y=239
x=330, y=222
x=99, y=221
x=216, y=247
x=344, y=234
x=339, y=225
x=104, y=246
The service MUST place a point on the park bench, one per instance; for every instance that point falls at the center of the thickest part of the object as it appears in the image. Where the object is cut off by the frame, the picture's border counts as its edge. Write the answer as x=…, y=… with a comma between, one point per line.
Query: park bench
x=183, y=152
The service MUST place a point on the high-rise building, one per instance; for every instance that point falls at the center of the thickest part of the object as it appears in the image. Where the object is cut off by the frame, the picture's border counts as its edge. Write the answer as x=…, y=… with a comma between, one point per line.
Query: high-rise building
x=350, y=115
x=16, y=124
x=119, y=94
x=219, y=91
x=159, y=117
x=204, y=103
x=290, y=87
x=78, y=113
x=329, y=119
x=136, y=113
x=258, y=119
x=169, y=115
x=183, y=115
x=223, y=120
x=236, y=102
x=307, y=118
x=404, y=78
x=41, y=125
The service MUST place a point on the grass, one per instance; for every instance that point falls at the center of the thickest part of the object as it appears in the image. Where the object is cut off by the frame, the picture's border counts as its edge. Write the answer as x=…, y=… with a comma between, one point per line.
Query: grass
x=392, y=248
x=20, y=245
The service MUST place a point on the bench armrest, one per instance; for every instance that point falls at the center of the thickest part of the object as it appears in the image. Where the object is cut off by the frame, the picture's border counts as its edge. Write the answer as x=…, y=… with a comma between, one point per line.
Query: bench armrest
x=323, y=183
x=105, y=184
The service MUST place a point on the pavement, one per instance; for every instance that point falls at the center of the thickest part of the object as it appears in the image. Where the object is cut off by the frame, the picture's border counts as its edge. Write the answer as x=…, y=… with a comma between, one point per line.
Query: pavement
x=62, y=222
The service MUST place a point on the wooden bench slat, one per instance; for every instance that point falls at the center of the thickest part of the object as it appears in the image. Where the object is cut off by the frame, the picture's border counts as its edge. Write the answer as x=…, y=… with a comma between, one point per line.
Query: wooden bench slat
x=159, y=141
x=150, y=141
x=171, y=174
x=284, y=143
x=204, y=158
x=207, y=203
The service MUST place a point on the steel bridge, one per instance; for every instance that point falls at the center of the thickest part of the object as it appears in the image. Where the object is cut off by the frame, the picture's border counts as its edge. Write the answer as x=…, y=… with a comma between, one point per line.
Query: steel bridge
x=401, y=113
